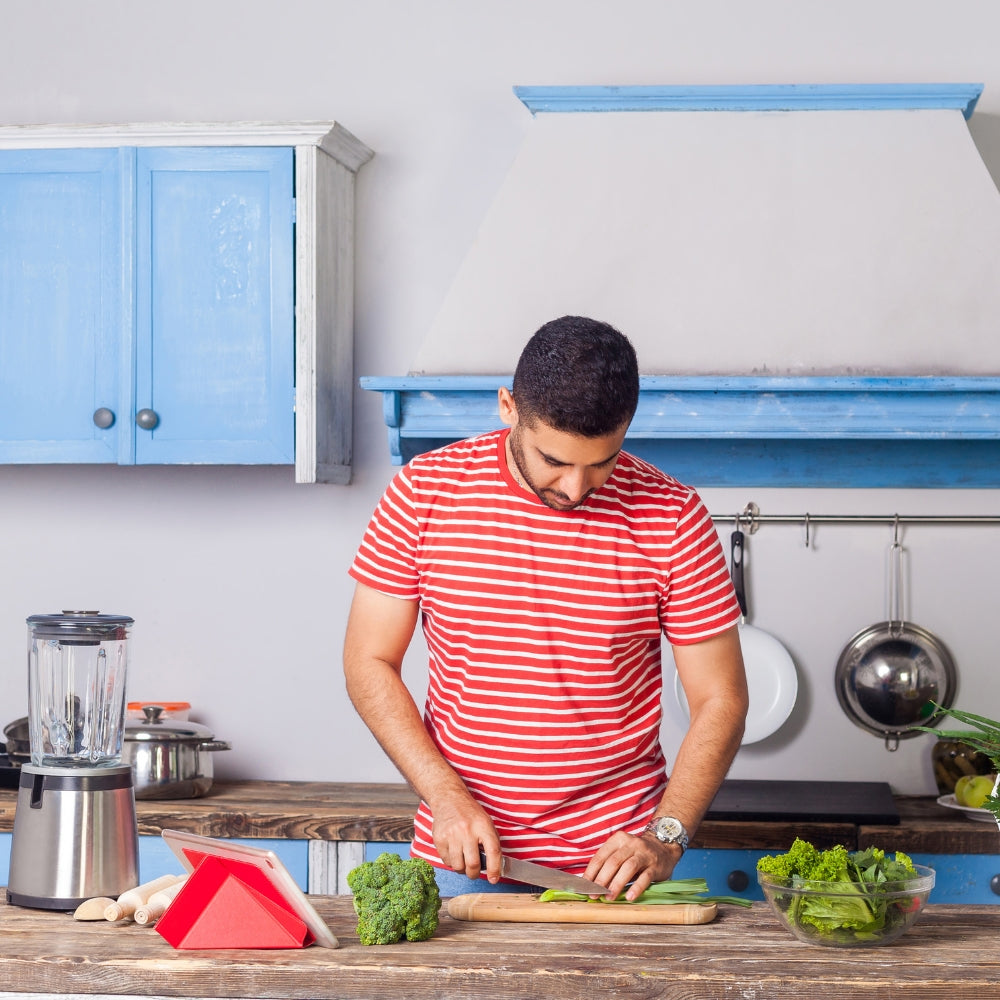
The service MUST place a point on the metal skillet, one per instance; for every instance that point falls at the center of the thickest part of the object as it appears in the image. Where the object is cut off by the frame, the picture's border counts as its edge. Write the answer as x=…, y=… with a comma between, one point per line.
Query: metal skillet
x=890, y=675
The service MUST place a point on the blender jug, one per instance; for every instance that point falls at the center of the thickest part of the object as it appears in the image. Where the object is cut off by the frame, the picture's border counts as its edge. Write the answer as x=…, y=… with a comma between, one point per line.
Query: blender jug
x=75, y=832
x=76, y=688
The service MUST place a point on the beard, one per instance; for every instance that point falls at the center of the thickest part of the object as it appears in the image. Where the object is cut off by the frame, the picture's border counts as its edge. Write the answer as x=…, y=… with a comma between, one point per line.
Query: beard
x=551, y=498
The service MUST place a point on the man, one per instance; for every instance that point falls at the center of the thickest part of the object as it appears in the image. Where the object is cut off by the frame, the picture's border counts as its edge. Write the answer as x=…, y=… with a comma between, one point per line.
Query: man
x=544, y=563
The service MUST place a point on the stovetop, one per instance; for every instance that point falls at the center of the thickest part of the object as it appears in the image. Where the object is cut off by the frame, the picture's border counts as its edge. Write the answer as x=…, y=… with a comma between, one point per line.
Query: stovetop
x=805, y=801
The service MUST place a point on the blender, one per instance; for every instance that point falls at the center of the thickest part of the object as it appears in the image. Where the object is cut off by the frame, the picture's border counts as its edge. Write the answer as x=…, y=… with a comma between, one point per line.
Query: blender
x=75, y=834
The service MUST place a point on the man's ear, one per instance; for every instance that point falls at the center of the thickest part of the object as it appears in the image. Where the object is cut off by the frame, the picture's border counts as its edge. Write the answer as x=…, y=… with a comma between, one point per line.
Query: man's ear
x=508, y=411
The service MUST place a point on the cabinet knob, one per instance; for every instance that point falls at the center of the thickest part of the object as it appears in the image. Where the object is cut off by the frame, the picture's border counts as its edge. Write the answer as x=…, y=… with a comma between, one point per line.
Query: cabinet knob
x=147, y=419
x=995, y=884
x=103, y=417
x=737, y=880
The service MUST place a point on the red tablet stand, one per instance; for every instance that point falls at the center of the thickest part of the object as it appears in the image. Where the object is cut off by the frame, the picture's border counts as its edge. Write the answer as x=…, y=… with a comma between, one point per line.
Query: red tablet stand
x=231, y=904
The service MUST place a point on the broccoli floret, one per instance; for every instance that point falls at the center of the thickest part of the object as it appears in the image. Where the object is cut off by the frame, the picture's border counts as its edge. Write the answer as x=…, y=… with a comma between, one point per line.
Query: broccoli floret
x=395, y=898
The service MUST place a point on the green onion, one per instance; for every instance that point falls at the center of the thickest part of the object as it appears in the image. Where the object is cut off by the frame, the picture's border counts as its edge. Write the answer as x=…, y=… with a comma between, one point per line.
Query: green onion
x=678, y=890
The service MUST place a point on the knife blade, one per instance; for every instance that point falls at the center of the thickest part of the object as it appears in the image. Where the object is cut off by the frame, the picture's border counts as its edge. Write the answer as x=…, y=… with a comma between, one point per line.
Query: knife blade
x=551, y=878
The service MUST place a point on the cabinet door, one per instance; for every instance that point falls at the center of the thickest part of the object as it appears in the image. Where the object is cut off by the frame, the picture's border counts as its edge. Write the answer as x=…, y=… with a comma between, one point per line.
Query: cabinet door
x=727, y=872
x=214, y=305
x=64, y=304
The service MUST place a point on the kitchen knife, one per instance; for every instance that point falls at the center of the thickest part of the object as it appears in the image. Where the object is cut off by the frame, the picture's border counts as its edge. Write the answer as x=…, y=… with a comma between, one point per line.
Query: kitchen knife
x=551, y=878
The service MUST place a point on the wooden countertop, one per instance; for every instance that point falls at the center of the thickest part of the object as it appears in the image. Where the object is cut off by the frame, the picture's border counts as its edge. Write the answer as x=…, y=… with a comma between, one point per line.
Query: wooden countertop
x=292, y=810
x=950, y=952
x=306, y=810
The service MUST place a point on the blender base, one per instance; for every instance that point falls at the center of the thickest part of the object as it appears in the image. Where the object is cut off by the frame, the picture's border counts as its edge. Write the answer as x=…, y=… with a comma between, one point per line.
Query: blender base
x=75, y=836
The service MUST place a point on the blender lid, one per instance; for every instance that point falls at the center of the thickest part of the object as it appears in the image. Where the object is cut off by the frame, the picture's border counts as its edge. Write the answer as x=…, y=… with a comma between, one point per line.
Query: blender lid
x=80, y=624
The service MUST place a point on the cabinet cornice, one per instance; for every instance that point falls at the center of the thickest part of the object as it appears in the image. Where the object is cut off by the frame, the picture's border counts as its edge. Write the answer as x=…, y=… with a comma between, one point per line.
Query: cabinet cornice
x=329, y=136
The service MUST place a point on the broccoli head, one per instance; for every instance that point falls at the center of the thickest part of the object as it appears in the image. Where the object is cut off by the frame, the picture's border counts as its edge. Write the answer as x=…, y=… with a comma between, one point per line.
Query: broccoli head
x=395, y=898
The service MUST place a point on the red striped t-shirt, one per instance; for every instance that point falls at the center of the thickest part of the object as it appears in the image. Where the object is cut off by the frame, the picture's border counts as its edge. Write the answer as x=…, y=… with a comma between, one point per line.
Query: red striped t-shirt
x=543, y=631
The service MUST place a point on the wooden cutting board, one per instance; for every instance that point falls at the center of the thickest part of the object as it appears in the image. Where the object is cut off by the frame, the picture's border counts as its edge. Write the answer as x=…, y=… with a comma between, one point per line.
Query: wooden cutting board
x=527, y=908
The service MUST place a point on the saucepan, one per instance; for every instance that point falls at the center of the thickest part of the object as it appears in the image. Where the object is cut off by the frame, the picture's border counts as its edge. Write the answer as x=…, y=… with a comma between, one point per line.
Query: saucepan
x=170, y=758
x=891, y=674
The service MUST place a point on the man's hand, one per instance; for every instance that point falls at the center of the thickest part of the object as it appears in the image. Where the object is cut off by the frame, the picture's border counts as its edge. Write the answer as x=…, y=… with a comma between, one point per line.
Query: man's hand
x=461, y=830
x=625, y=859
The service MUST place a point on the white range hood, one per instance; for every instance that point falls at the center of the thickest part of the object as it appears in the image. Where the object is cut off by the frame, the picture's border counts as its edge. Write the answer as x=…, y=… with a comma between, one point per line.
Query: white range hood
x=781, y=242
x=802, y=227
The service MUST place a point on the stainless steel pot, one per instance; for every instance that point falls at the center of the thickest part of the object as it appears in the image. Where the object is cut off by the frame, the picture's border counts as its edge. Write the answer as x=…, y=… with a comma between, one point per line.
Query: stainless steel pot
x=169, y=759
x=891, y=676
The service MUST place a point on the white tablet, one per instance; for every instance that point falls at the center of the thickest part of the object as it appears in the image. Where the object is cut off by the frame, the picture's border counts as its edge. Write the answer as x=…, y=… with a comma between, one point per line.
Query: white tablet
x=191, y=848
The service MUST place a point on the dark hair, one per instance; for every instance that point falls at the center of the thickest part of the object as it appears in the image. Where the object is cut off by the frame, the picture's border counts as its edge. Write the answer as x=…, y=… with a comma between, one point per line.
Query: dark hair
x=577, y=375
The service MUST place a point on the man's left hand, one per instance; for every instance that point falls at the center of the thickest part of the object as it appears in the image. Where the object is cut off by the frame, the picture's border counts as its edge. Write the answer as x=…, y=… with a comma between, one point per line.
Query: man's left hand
x=633, y=862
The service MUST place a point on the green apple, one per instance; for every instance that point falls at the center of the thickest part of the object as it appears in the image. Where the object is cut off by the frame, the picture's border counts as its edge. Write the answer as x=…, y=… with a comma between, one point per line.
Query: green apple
x=973, y=790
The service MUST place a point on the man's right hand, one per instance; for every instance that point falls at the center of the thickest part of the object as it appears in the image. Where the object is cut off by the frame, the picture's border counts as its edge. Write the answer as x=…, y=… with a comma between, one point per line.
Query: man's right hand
x=461, y=830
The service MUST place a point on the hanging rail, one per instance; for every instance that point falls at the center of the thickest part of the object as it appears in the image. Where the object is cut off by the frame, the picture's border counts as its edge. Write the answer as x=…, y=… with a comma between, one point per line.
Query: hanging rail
x=752, y=518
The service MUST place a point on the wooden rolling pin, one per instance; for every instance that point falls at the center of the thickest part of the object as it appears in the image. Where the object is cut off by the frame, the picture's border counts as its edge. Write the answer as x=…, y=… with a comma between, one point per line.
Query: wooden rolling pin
x=130, y=900
x=526, y=907
x=157, y=904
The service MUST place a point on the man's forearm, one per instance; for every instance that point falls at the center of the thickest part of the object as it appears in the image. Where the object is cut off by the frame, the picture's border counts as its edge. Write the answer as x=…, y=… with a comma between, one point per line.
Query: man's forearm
x=388, y=709
x=703, y=760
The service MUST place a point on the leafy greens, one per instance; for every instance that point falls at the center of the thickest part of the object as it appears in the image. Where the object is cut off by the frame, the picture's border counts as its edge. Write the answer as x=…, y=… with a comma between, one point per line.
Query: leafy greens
x=852, y=891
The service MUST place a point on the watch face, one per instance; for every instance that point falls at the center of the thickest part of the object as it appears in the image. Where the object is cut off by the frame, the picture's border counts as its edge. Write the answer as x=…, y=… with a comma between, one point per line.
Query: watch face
x=668, y=829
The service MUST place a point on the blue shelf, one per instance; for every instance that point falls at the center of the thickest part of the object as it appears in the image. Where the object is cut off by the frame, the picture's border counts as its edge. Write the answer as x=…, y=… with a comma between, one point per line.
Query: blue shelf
x=764, y=97
x=871, y=432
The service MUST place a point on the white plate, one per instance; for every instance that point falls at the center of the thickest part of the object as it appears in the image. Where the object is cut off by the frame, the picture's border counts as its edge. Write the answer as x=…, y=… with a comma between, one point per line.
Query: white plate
x=981, y=815
x=771, y=681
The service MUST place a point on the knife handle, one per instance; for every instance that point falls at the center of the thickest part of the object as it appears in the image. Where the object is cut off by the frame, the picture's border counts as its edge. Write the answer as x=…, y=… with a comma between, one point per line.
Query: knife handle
x=482, y=860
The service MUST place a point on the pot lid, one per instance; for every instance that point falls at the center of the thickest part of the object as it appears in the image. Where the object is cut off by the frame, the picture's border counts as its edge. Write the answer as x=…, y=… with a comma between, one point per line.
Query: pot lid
x=157, y=728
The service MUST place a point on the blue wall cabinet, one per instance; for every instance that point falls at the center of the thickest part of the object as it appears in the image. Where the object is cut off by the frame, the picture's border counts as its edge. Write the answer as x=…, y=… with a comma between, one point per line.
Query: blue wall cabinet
x=178, y=294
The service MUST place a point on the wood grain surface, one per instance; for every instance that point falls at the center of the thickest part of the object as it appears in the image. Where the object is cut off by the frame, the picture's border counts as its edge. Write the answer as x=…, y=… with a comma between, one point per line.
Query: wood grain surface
x=951, y=953
x=312, y=810
x=526, y=908
x=294, y=810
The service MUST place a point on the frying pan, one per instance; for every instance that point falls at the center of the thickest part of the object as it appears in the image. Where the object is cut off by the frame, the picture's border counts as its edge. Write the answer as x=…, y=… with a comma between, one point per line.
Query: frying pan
x=890, y=675
x=771, y=678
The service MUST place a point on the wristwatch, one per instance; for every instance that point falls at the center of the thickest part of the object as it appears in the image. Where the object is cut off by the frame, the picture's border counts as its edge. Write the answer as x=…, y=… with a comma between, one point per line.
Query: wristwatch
x=669, y=830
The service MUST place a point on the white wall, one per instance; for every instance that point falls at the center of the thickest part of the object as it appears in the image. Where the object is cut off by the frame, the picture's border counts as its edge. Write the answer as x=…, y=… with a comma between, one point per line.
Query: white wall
x=236, y=577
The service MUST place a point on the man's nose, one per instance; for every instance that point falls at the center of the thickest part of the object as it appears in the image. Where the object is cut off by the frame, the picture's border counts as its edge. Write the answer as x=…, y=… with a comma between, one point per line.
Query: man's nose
x=573, y=483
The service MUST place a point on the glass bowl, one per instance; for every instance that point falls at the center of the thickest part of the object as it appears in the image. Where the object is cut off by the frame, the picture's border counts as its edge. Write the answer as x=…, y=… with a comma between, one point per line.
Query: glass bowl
x=848, y=914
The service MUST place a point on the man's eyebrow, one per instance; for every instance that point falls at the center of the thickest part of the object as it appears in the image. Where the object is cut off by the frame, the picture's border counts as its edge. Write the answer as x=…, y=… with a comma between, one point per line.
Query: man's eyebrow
x=551, y=459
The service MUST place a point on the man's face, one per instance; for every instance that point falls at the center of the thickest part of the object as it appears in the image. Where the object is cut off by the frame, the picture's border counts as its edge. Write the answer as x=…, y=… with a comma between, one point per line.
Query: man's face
x=561, y=469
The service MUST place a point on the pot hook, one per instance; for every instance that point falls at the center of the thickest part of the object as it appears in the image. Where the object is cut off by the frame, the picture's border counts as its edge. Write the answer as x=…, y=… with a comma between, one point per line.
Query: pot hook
x=895, y=581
